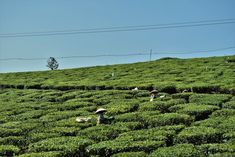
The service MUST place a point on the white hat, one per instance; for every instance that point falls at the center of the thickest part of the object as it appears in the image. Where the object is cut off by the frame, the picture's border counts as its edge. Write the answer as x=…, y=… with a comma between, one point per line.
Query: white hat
x=100, y=110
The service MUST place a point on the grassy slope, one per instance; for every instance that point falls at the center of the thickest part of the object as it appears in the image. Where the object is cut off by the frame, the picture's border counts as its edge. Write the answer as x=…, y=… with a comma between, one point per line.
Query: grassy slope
x=41, y=122
x=181, y=73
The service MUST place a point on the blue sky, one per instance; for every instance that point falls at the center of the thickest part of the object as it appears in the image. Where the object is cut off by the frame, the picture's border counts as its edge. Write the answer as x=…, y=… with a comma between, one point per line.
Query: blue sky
x=52, y=15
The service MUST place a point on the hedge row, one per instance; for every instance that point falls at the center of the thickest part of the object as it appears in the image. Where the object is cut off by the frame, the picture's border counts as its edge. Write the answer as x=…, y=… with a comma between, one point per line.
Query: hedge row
x=130, y=154
x=107, y=148
x=102, y=132
x=198, y=135
x=200, y=112
x=162, y=106
x=9, y=150
x=13, y=140
x=223, y=124
x=69, y=145
x=120, y=106
x=44, y=154
x=169, y=119
x=209, y=99
x=181, y=150
x=136, y=116
x=148, y=134
x=216, y=148
x=223, y=113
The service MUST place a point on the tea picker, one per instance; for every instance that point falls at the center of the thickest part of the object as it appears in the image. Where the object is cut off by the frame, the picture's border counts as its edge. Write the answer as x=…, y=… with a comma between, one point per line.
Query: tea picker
x=100, y=115
x=153, y=94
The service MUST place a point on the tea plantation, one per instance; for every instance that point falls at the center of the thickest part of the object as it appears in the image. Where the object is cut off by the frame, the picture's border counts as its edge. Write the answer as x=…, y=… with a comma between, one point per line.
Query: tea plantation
x=39, y=110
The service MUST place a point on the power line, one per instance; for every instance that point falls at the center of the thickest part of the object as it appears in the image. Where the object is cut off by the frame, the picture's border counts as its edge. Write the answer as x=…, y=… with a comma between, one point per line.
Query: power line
x=120, y=55
x=199, y=51
x=122, y=29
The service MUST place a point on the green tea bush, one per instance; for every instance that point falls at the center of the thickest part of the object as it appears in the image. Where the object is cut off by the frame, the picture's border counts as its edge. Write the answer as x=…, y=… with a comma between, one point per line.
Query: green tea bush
x=43, y=154
x=182, y=150
x=206, y=88
x=209, y=99
x=102, y=101
x=148, y=106
x=20, y=127
x=230, y=104
x=148, y=135
x=4, y=132
x=107, y=148
x=69, y=145
x=169, y=119
x=63, y=131
x=215, y=148
x=223, y=113
x=77, y=103
x=198, y=135
x=129, y=125
x=223, y=124
x=13, y=140
x=59, y=115
x=102, y=132
x=200, y=112
x=182, y=96
x=130, y=154
x=136, y=116
x=163, y=106
x=35, y=137
x=9, y=150
x=119, y=107
x=226, y=154
x=229, y=136
x=30, y=115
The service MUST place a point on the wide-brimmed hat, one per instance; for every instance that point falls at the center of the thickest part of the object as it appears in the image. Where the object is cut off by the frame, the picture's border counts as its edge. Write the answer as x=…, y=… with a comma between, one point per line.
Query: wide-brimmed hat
x=100, y=110
x=153, y=91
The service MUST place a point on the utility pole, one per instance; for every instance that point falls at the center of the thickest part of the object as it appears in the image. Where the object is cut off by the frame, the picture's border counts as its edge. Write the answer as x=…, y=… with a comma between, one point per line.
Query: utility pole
x=150, y=55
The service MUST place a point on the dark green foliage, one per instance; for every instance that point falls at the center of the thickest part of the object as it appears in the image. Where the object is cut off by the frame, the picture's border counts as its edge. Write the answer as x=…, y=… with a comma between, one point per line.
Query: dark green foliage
x=198, y=135
x=129, y=125
x=108, y=148
x=9, y=150
x=181, y=150
x=35, y=137
x=223, y=124
x=10, y=132
x=136, y=116
x=214, y=74
x=43, y=154
x=229, y=136
x=200, y=112
x=162, y=106
x=223, y=113
x=226, y=154
x=210, y=149
x=209, y=99
x=63, y=131
x=230, y=104
x=148, y=134
x=124, y=106
x=69, y=145
x=130, y=154
x=185, y=96
x=13, y=140
x=102, y=132
x=169, y=119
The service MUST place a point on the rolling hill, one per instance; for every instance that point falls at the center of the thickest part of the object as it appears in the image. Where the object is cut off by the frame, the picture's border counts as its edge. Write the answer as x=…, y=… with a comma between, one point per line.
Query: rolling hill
x=193, y=113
